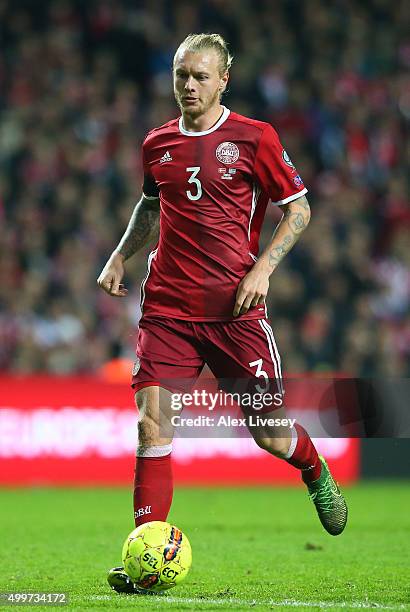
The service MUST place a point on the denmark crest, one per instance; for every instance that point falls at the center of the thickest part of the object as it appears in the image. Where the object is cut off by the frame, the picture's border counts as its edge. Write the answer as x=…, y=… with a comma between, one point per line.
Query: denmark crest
x=227, y=153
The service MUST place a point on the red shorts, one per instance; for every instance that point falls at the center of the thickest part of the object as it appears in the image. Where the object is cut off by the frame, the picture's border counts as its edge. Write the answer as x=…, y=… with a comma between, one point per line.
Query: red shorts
x=172, y=352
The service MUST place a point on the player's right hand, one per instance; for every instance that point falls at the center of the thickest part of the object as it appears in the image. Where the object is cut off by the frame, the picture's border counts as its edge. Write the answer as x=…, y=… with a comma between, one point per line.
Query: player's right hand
x=111, y=276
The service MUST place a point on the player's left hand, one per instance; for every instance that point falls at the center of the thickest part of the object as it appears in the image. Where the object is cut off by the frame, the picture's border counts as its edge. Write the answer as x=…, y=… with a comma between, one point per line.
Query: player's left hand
x=252, y=290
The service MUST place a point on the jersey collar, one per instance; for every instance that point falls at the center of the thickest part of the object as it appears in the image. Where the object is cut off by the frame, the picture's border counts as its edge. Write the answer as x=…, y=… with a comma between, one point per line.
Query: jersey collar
x=221, y=120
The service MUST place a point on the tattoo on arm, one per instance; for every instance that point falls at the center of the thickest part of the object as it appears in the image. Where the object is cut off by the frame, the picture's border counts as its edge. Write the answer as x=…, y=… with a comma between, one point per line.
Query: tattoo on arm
x=292, y=224
x=277, y=252
x=143, y=226
x=296, y=222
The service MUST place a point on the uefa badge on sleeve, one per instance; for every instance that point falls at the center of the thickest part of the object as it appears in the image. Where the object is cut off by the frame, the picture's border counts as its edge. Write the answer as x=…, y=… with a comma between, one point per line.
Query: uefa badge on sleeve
x=287, y=160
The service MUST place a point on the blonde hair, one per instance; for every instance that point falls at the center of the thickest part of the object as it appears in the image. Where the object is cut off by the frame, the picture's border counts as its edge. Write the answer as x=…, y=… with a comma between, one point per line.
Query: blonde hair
x=199, y=42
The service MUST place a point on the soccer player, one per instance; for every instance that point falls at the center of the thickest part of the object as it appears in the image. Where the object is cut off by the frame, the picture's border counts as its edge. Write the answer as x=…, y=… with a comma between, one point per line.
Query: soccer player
x=208, y=178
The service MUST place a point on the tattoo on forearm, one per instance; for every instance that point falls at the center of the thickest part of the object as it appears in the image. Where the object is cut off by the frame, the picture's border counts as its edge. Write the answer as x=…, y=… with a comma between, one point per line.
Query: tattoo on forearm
x=293, y=222
x=296, y=222
x=143, y=225
x=279, y=251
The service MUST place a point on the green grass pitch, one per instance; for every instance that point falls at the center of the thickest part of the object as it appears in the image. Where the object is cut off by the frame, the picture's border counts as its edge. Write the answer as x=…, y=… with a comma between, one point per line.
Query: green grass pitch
x=259, y=548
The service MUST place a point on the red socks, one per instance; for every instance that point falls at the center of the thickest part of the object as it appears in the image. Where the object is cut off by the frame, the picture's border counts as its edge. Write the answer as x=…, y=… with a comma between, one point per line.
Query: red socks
x=303, y=455
x=153, y=485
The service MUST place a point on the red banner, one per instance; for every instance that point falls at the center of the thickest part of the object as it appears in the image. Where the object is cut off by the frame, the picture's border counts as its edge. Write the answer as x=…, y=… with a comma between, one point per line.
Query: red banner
x=82, y=431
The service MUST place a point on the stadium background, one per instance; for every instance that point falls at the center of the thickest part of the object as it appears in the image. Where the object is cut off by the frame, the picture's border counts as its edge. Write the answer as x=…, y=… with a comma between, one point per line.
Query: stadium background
x=81, y=84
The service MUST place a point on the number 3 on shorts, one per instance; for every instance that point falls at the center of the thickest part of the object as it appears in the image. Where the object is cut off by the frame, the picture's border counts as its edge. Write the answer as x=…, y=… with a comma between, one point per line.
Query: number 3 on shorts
x=197, y=183
x=260, y=374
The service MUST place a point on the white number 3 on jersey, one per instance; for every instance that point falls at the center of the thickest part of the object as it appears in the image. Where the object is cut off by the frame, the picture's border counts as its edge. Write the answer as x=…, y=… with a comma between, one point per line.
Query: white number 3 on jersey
x=197, y=183
x=261, y=374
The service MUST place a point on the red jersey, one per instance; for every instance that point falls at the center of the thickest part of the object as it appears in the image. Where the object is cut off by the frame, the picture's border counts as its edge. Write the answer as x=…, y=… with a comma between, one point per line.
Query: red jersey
x=214, y=187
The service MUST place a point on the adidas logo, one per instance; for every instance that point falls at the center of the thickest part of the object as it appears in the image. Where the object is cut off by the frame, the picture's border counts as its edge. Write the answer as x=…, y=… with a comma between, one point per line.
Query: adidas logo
x=165, y=158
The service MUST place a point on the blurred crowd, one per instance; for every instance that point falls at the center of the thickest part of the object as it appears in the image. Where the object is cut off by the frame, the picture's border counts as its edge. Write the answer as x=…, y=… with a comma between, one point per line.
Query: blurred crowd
x=80, y=85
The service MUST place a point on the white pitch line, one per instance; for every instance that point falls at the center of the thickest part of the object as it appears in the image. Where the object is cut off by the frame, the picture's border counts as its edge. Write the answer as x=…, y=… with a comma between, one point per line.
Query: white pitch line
x=353, y=605
x=337, y=604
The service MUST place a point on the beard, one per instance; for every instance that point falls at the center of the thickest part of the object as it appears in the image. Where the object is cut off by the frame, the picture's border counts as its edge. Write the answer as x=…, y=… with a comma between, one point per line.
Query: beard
x=199, y=109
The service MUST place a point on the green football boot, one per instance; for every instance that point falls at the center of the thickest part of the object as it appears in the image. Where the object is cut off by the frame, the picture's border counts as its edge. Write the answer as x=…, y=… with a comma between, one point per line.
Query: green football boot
x=330, y=503
x=120, y=582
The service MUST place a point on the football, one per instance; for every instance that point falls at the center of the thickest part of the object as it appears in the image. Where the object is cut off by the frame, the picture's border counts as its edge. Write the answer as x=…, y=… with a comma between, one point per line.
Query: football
x=157, y=556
